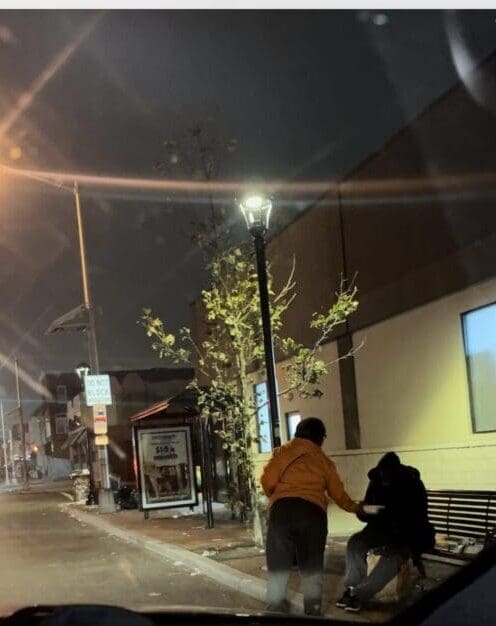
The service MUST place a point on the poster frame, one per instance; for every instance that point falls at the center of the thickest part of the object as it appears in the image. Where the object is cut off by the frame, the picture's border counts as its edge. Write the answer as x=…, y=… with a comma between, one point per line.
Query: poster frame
x=144, y=505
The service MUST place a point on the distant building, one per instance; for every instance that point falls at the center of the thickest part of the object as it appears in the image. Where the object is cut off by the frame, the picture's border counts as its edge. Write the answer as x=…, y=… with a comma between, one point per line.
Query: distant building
x=49, y=424
x=13, y=449
x=132, y=391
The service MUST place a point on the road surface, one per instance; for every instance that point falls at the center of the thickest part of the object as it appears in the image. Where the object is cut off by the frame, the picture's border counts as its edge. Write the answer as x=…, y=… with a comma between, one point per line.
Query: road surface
x=47, y=557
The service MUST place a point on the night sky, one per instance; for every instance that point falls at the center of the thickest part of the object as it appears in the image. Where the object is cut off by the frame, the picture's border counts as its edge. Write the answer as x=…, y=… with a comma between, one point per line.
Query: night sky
x=302, y=95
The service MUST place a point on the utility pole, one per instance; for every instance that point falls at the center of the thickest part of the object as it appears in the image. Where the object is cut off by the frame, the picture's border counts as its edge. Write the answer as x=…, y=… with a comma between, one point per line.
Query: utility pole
x=105, y=496
x=5, y=463
x=92, y=345
x=23, y=433
x=12, y=461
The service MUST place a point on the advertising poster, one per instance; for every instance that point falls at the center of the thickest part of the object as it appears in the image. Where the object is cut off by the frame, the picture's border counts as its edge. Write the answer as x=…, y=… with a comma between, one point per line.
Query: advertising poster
x=166, y=472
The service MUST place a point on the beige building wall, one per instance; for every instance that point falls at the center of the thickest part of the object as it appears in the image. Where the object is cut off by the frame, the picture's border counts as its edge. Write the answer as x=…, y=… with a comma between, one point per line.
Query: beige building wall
x=328, y=407
x=411, y=376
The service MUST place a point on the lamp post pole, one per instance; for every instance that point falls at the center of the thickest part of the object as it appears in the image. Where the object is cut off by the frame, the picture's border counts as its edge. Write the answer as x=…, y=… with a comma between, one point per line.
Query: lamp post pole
x=5, y=461
x=82, y=370
x=92, y=345
x=12, y=460
x=91, y=499
x=270, y=363
x=256, y=210
x=105, y=496
x=23, y=432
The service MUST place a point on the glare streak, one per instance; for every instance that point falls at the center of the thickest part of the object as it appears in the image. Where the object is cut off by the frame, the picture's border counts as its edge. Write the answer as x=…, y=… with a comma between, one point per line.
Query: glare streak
x=28, y=380
x=351, y=187
x=26, y=99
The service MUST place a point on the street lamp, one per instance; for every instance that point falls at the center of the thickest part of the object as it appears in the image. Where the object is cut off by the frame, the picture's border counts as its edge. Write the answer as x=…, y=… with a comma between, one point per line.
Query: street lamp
x=256, y=209
x=82, y=370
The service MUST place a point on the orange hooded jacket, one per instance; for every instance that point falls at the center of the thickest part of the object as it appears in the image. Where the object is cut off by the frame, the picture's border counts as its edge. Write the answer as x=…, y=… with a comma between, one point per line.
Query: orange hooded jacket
x=300, y=469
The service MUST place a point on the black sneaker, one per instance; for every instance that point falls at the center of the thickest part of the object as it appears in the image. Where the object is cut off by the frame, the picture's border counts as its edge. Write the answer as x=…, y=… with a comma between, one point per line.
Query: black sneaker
x=354, y=605
x=342, y=603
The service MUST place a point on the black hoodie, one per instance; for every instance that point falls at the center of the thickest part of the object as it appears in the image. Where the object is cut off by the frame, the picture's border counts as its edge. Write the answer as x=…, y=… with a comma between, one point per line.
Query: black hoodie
x=405, y=516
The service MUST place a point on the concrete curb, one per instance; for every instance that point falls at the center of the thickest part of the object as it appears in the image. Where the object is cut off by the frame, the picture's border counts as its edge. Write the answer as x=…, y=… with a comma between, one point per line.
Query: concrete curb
x=219, y=572
x=10, y=489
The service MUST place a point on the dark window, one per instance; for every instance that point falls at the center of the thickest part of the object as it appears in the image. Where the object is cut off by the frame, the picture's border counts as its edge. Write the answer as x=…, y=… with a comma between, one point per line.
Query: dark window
x=479, y=335
x=263, y=417
x=16, y=431
x=61, y=425
x=61, y=393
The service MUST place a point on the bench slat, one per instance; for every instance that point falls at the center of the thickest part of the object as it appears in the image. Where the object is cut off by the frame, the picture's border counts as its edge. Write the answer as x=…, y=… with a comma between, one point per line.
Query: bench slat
x=462, y=493
x=469, y=531
x=480, y=531
x=461, y=533
x=459, y=520
x=454, y=515
x=454, y=528
x=461, y=507
x=462, y=502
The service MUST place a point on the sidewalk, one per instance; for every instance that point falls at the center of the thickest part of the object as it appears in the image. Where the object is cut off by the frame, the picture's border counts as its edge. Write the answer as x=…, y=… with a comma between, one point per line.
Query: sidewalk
x=37, y=485
x=228, y=555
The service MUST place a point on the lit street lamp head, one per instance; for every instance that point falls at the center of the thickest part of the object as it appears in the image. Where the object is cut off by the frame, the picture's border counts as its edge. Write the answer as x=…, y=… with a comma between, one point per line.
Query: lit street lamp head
x=82, y=370
x=256, y=210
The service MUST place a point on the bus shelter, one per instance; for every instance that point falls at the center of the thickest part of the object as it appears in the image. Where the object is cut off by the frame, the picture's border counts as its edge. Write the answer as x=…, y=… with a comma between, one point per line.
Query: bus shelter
x=177, y=458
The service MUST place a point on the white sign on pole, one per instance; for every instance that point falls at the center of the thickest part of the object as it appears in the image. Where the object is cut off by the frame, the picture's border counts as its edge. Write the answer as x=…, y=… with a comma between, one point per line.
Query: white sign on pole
x=100, y=419
x=97, y=389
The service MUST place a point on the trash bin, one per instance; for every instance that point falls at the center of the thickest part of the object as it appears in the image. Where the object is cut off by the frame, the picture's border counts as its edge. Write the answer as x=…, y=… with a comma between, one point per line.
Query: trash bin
x=80, y=484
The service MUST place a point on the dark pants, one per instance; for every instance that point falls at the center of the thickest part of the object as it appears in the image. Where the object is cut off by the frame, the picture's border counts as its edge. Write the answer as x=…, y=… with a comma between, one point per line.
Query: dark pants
x=297, y=528
x=392, y=557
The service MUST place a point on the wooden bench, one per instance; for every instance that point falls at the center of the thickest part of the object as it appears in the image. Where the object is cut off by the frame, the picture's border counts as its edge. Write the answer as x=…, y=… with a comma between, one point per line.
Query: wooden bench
x=462, y=514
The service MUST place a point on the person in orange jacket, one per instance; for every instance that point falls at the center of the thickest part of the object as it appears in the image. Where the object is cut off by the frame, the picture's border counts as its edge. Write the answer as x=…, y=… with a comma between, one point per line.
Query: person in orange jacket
x=299, y=480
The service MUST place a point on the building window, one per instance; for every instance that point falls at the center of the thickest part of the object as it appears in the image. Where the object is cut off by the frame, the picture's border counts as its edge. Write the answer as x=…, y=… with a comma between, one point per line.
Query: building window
x=16, y=431
x=61, y=393
x=292, y=420
x=479, y=335
x=263, y=417
x=61, y=425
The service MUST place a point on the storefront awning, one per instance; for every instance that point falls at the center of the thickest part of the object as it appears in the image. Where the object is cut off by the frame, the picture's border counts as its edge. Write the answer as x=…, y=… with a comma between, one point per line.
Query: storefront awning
x=74, y=437
x=151, y=410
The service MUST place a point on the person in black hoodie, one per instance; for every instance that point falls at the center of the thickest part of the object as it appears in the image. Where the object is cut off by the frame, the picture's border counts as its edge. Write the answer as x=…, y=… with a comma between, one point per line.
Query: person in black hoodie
x=399, y=530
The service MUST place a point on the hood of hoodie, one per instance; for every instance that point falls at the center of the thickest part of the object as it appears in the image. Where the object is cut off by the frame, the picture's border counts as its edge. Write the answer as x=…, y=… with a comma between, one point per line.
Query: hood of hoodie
x=297, y=447
x=404, y=471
